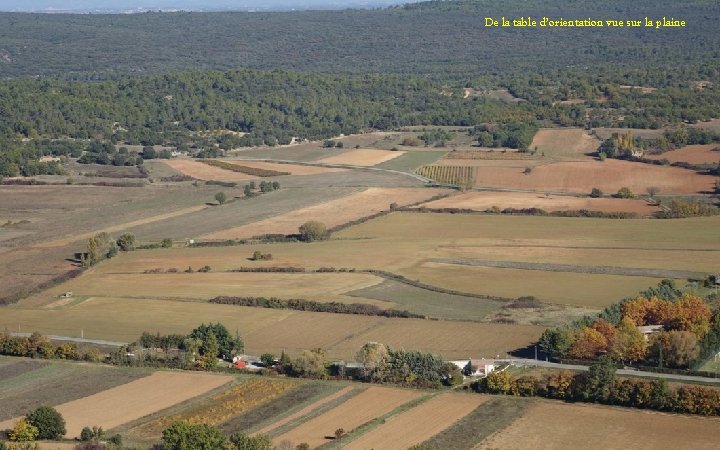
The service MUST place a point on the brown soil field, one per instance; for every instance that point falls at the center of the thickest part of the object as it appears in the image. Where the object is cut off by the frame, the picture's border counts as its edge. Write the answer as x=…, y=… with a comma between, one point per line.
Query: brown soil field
x=332, y=213
x=609, y=176
x=514, y=162
x=136, y=399
x=362, y=157
x=362, y=408
x=693, y=154
x=573, y=426
x=204, y=286
x=272, y=330
x=57, y=446
x=305, y=411
x=480, y=201
x=418, y=424
x=294, y=169
x=202, y=171
x=564, y=142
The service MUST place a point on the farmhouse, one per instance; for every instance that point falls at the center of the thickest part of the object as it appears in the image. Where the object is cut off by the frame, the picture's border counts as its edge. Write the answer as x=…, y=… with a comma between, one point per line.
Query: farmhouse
x=648, y=330
x=475, y=367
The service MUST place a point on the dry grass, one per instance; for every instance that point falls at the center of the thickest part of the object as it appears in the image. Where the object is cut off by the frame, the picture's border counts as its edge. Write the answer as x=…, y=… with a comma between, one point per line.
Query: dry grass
x=294, y=169
x=418, y=424
x=204, y=286
x=133, y=400
x=270, y=330
x=203, y=171
x=358, y=410
x=362, y=157
x=564, y=143
x=331, y=213
x=572, y=426
x=693, y=154
x=480, y=201
x=609, y=176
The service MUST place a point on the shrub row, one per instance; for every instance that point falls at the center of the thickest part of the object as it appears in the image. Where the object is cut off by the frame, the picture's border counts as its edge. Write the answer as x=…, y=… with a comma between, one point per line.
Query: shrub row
x=309, y=305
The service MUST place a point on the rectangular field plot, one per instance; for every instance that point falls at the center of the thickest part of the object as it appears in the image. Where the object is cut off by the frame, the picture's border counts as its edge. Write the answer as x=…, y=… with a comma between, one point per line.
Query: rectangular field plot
x=418, y=424
x=360, y=409
x=572, y=426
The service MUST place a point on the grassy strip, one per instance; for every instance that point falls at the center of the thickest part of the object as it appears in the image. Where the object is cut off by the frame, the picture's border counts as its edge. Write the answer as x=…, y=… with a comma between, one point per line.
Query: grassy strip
x=488, y=418
x=14, y=369
x=571, y=268
x=280, y=407
x=376, y=422
x=316, y=413
x=243, y=169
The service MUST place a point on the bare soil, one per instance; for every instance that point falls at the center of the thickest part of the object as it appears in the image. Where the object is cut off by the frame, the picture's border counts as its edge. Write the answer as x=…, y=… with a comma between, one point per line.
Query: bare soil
x=609, y=176
x=572, y=426
x=480, y=201
x=418, y=424
x=204, y=172
x=362, y=157
x=362, y=408
x=693, y=154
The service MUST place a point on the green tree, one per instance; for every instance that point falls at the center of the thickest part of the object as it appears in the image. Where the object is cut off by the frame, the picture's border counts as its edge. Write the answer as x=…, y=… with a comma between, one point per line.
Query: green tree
x=48, y=421
x=247, y=191
x=596, y=193
x=221, y=198
x=372, y=355
x=228, y=345
x=600, y=379
x=166, y=243
x=242, y=441
x=451, y=374
x=184, y=436
x=312, y=231
x=498, y=382
x=126, y=242
x=629, y=343
x=624, y=192
x=268, y=359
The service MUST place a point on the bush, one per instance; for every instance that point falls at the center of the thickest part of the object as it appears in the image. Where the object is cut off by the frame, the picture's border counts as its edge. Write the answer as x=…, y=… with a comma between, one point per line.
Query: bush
x=596, y=193
x=24, y=431
x=625, y=192
x=184, y=436
x=48, y=421
x=312, y=231
x=166, y=243
x=126, y=242
x=221, y=197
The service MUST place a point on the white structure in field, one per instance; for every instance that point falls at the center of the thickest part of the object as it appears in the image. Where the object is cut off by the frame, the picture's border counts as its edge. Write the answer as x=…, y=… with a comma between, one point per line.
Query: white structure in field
x=475, y=367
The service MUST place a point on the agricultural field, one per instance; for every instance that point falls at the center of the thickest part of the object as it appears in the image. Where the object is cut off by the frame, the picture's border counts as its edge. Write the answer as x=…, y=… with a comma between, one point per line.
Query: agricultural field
x=293, y=169
x=362, y=157
x=61, y=382
x=133, y=400
x=270, y=330
x=201, y=171
x=608, y=176
x=419, y=423
x=600, y=427
x=374, y=402
x=481, y=201
x=692, y=154
x=331, y=213
x=564, y=143
x=458, y=175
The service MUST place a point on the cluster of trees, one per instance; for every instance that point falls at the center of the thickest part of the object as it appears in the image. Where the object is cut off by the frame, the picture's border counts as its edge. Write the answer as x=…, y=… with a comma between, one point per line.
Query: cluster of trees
x=622, y=145
x=39, y=346
x=104, y=246
x=42, y=423
x=517, y=135
x=687, y=330
x=679, y=208
x=182, y=435
x=200, y=349
x=436, y=137
x=600, y=385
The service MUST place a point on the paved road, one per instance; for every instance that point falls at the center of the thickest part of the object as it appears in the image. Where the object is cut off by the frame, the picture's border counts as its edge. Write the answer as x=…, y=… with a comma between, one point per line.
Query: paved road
x=634, y=373
x=77, y=340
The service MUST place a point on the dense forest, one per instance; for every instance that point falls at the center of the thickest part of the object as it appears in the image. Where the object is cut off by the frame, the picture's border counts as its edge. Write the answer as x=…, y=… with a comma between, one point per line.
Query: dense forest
x=441, y=39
